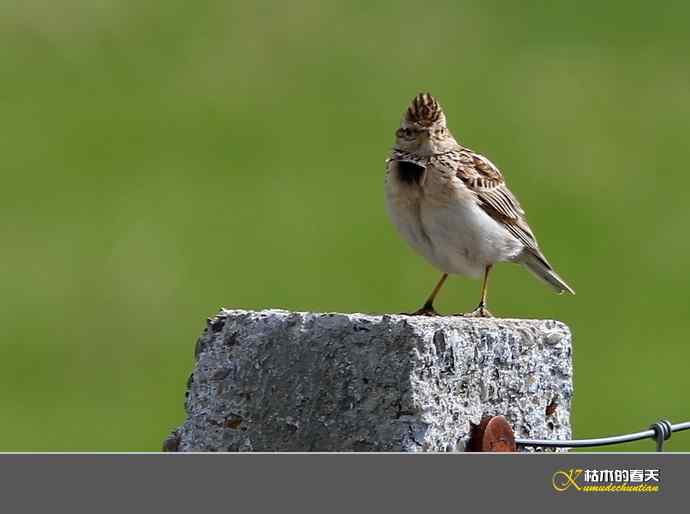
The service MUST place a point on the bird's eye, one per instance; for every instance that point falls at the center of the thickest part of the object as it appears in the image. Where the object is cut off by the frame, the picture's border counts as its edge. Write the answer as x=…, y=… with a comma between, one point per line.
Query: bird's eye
x=404, y=132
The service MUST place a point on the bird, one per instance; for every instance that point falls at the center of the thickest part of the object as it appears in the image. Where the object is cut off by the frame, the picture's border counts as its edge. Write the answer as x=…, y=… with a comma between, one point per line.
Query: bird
x=453, y=206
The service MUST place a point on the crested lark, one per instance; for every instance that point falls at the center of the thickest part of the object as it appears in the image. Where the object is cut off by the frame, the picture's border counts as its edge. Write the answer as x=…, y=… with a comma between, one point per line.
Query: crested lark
x=453, y=206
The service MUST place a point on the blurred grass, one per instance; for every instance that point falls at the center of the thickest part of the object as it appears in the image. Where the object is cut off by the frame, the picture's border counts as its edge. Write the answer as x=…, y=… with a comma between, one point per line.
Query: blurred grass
x=163, y=159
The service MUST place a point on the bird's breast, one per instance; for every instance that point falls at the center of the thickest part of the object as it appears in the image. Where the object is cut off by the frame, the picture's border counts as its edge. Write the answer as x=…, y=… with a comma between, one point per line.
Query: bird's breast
x=440, y=218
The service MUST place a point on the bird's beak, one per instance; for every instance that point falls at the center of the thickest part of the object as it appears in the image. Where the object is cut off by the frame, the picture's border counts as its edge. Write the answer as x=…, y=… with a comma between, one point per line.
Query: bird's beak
x=424, y=143
x=424, y=135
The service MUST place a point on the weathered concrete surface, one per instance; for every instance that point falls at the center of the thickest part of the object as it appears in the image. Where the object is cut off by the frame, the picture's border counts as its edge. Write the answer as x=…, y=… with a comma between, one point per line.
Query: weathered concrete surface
x=294, y=381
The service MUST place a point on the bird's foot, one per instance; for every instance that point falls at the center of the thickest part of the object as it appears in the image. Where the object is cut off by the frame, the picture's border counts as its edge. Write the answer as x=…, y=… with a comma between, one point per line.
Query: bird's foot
x=427, y=310
x=479, y=312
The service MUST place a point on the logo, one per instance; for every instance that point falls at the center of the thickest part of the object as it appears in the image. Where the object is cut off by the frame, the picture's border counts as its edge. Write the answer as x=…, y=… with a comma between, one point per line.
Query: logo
x=606, y=480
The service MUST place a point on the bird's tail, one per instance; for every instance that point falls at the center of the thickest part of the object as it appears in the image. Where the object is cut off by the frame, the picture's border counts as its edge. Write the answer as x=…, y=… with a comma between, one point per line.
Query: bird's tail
x=540, y=267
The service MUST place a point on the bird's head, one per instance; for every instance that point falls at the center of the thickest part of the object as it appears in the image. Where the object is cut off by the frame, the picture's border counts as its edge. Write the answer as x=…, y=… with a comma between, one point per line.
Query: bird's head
x=423, y=128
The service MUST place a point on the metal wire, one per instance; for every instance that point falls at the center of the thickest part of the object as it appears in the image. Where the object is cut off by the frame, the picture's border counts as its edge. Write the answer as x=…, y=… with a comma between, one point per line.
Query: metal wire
x=659, y=431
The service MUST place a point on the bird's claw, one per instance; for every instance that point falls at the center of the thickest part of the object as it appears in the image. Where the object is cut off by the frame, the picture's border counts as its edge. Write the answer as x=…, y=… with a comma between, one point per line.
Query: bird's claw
x=479, y=312
x=427, y=310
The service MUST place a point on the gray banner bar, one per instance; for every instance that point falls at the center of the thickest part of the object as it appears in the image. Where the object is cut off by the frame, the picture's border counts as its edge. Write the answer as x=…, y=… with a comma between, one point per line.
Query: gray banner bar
x=325, y=483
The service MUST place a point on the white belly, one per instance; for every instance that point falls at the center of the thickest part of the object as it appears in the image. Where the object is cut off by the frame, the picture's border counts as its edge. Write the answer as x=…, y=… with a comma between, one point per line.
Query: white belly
x=454, y=234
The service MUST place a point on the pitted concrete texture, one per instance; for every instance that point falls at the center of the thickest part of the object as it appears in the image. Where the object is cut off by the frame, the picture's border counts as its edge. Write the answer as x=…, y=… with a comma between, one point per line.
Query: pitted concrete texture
x=296, y=381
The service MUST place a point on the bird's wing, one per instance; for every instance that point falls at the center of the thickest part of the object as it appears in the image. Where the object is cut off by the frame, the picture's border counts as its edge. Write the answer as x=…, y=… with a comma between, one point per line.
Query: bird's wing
x=484, y=179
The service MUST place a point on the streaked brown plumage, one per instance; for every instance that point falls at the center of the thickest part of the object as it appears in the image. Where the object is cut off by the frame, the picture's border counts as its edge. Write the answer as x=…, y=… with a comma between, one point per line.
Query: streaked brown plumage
x=453, y=205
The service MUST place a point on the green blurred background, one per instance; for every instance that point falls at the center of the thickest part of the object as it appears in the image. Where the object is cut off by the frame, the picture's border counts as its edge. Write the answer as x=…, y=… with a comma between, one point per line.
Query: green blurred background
x=161, y=159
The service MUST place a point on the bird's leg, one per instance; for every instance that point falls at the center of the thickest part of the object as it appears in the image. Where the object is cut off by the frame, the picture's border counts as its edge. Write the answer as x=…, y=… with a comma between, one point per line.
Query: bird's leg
x=428, y=307
x=481, y=311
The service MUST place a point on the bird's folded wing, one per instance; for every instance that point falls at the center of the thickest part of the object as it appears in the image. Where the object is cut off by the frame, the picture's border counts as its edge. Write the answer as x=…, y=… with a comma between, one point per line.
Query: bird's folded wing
x=484, y=179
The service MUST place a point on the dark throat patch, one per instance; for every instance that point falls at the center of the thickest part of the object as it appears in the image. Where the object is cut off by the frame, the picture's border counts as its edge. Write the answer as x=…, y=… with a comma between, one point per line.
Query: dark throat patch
x=410, y=172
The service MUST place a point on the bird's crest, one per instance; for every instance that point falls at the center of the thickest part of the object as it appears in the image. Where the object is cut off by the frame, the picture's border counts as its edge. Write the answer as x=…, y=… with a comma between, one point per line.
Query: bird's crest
x=424, y=110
